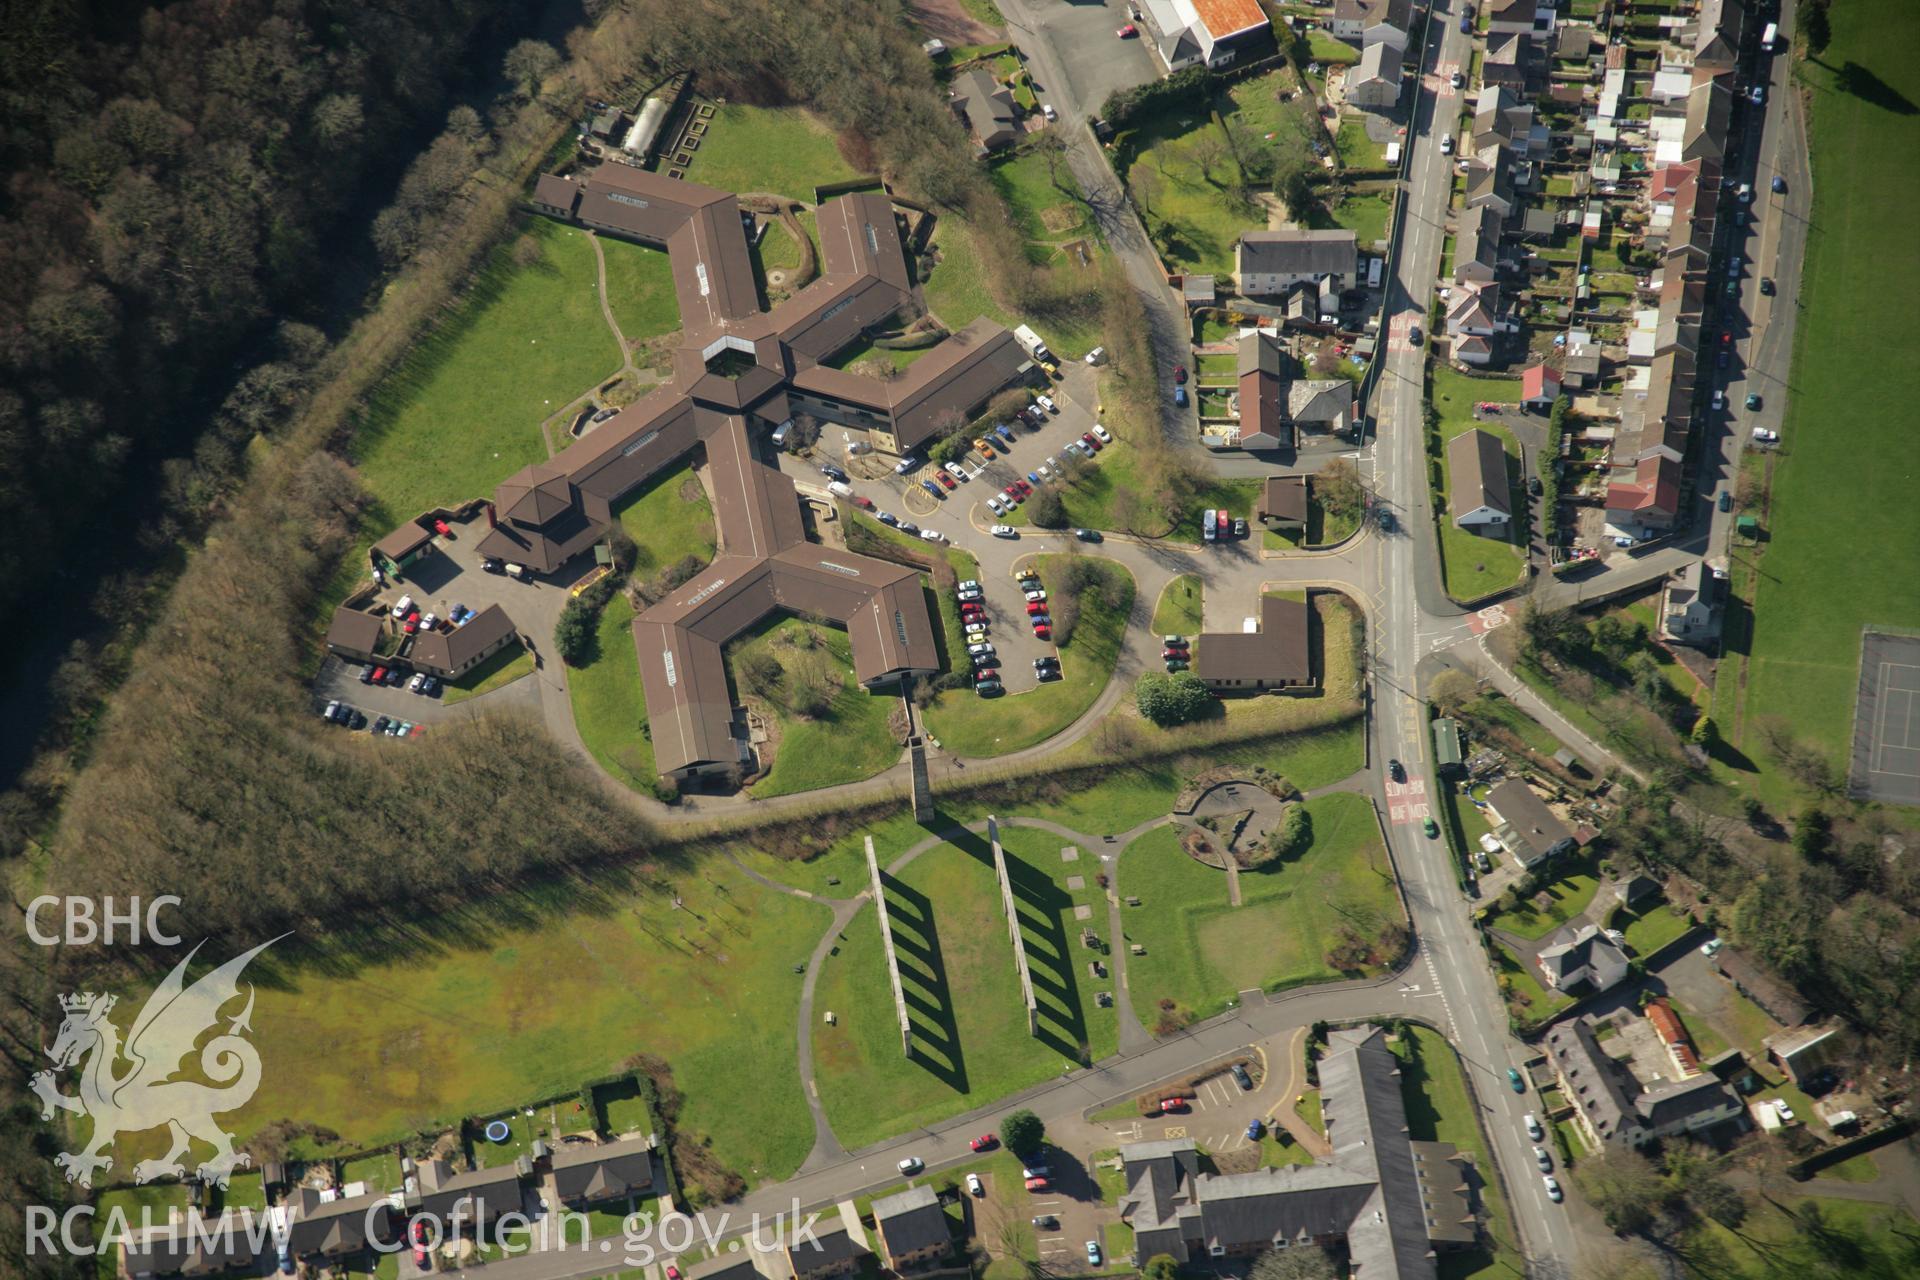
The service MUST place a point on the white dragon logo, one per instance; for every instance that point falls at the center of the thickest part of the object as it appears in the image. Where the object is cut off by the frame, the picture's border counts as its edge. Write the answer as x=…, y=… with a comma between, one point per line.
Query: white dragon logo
x=145, y=1096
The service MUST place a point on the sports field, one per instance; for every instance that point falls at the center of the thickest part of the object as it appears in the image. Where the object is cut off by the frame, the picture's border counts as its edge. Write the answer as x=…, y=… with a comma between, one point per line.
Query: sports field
x=1842, y=531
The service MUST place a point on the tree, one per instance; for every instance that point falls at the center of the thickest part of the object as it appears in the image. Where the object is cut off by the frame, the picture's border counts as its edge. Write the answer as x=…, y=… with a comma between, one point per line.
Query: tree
x=575, y=635
x=1144, y=184
x=1817, y=26
x=1451, y=690
x=1339, y=489
x=1625, y=1187
x=1168, y=700
x=1704, y=733
x=1715, y=1198
x=1045, y=510
x=759, y=672
x=1207, y=149
x=527, y=64
x=1161, y=1266
x=1022, y=1132
x=1302, y=1262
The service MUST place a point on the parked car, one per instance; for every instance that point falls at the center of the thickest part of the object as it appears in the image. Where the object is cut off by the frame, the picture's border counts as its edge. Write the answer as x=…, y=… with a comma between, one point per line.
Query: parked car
x=1037, y=1184
x=1004, y=531
x=832, y=472
x=1764, y=435
x=1047, y=1222
x=1397, y=771
x=1779, y=185
x=1127, y=32
x=1457, y=80
x=946, y=480
x=332, y=709
x=1446, y=144
x=1172, y=1106
x=418, y=1235
x=968, y=584
x=1101, y=434
x=985, y=1142
x=1541, y=1158
x=933, y=488
x=1174, y=642
x=1432, y=829
x=1035, y=608
x=887, y=518
x=1766, y=286
x=911, y=1165
x=908, y=526
x=980, y=650
x=997, y=505
x=1042, y=630
x=907, y=465
x=1176, y=664
x=380, y=725
x=1086, y=438
x=1240, y=1076
x=1207, y=524
x=1711, y=947
x=1553, y=1188
x=1180, y=397
x=1255, y=1129
x=1534, y=1130
x=1087, y=535
x=1753, y=400
x=932, y=535
x=1046, y=402
x=1093, y=1253
x=983, y=674
x=1046, y=109
x=1174, y=653
x=974, y=1186
x=1515, y=1079
x=1036, y=594
x=1005, y=435
x=1781, y=1109
x=1725, y=502
x=1179, y=374
x=1239, y=527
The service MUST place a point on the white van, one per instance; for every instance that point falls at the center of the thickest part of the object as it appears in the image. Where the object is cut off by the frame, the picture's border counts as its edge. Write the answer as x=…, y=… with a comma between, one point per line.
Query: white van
x=839, y=490
x=1769, y=34
x=1207, y=524
x=783, y=433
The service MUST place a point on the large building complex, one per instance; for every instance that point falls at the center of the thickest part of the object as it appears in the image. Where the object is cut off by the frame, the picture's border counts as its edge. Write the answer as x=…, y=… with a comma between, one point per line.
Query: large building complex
x=739, y=369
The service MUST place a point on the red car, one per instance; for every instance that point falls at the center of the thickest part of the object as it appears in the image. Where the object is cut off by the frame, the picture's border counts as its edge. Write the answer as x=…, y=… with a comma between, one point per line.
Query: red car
x=440, y=527
x=1127, y=32
x=1226, y=523
x=1179, y=374
x=1086, y=438
x=946, y=481
x=1175, y=653
x=419, y=1236
x=379, y=675
x=413, y=622
x=1024, y=488
x=1037, y=1184
x=673, y=1272
x=986, y=673
x=1041, y=631
x=1036, y=608
x=1169, y=1106
x=866, y=504
x=985, y=1142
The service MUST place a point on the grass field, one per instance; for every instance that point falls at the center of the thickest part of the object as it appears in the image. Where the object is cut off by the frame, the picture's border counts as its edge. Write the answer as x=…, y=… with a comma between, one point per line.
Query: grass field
x=1178, y=610
x=1570, y=894
x=523, y=997
x=1439, y=1109
x=1652, y=927
x=957, y=967
x=1202, y=951
x=667, y=519
x=502, y=668
x=463, y=411
x=958, y=292
x=609, y=705
x=971, y=725
x=1046, y=207
x=1840, y=483
x=1355, y=148
x=1476, y=566
x=640, y=288
x=1815, y=1236
x=849, y=742
x=1530, y=1001
x=1365, y=214
x=783, y=150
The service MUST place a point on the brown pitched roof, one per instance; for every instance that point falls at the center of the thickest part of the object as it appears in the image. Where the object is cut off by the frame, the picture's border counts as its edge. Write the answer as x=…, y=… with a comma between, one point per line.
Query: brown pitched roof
x=602, y=1171
x=1276, y=652
x=452, y=650
x=1285, y=497
x=353, y=630
x=1477, y=474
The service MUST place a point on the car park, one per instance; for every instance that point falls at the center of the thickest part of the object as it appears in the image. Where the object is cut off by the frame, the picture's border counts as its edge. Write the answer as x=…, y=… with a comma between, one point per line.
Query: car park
x=1004, y=531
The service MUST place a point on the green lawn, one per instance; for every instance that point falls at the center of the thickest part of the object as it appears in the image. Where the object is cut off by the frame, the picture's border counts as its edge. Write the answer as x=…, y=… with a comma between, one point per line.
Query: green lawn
x=667, y=519
x=1474, y=565
x=1178, y=610
x=1355, y=148
x=1530, y=1001
x=848, y=743
x=1239, y=497
x=463, y=411
x=1570, y=894
x=1815, y=590
x=1652, y=928
x=1815, y=1236
x=782, y=150
x=1201, y=951
x=1860, y=1168
x=518, y=1000
x=1046, y=206
x=609, y=706
x=1366, y=215
x=1495, y=709
x=958, y=292
x=1324, y=48
x=864, y=350
x=957, y=967
x=1439, y=1109
x=502, y=668
x=970, y=725
x=640, y=287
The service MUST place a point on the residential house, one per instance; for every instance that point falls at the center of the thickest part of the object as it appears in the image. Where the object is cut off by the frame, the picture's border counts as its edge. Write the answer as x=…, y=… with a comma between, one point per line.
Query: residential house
x=1522, y=17
x=1614, y=1109
x=1375, y=82
x=836, y=1249
x=1573, y=42
x=1524, y=825
x=1394, y=1202
x=466, y=1202
x=1709, y=115
x=1647, y=498
x=749, y=1262
x=1474, y=309
x=1473, y=349
x=1370, y=22
x=593, y=1173
x=1283, y=503
x=192, y=1246
x=1634, y=890
x=1776, y=999
x=1476, y=249
x=1478, y=496
x=912, y=1229
x=1582, y=960
x=1690, y=605
x=1673, y=1034
x=1580, y=367
x=1276, y=656
x=1508, y=59
x=986, y=107
x=1539, y=386
x=1273, y=262
x=1501, y=119
x=1716, y=36
x=333, y=1228
x=1490, y=182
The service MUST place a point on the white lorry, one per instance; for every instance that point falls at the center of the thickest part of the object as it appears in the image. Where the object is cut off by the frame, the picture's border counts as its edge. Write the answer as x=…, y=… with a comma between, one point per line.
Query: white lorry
x=1031, y=341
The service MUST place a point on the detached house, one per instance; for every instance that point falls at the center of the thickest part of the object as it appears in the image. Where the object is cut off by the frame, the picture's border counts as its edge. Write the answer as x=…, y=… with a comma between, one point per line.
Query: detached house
x=1375, y=82
x=1524, y=825
x=1614, y=1109
x=1370, y=22
x=987, y=109
x=586, y=1174
x=1478, y=497
x=1582, y=959
x=1273, y=262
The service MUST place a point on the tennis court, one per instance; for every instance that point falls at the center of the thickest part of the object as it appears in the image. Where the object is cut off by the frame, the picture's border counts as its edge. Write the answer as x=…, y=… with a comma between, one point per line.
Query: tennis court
x=1886, y=720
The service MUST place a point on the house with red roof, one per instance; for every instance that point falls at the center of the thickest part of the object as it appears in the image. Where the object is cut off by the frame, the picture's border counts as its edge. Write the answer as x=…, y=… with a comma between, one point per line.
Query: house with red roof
x=1539, y=386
